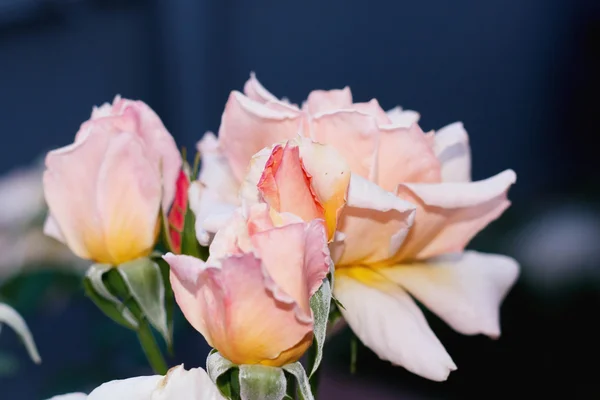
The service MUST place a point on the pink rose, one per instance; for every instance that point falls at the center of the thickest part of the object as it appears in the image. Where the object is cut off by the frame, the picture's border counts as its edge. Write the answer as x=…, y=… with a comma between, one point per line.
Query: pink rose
x=251, y=299
x=105, y=190
x=381, y=263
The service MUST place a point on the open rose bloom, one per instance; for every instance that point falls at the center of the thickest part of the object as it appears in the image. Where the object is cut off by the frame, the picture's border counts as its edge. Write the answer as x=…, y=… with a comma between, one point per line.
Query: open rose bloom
x=411, y=210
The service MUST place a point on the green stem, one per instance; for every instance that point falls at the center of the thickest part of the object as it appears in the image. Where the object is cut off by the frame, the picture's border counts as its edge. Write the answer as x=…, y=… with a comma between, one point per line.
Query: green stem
x=151, y=349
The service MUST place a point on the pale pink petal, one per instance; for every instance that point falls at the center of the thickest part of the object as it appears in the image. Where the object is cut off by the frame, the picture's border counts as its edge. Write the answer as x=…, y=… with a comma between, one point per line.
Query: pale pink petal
x=464, y=289
x=233, y=236
x=296, y=257
x=374, y=222
x=450, y=214
x=320, y=101
x=71, y=192
x=388, y=321
x=128, y=199
x=405, y=155
x=355, y=135
x=160, y=147
x=451, y=147
x=248, y=126
x=52, y=229
x=403, y=118
x=373, y=109
x=187, y=287
x=254, y=90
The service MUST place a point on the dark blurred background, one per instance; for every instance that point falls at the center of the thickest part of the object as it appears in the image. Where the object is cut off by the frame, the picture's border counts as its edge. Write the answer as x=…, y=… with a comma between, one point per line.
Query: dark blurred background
x=523, y=76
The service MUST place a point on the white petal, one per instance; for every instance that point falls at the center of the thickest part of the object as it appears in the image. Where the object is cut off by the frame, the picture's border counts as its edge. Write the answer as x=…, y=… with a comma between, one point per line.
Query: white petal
x=388, y=321
x=216, y=173
x=138, y=388
x=451, y=147
x=180, y=384
x=210, y=210
x=464, y=289
x=403, y=118
x=70, y=396
x=463, y=194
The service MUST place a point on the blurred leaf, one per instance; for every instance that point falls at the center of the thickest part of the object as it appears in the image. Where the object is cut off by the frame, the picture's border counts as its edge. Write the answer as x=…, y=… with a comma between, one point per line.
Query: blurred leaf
x=12, y=318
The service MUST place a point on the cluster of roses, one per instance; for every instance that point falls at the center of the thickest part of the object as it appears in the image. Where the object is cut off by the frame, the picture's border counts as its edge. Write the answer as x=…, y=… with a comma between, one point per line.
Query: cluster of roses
x=330, y=208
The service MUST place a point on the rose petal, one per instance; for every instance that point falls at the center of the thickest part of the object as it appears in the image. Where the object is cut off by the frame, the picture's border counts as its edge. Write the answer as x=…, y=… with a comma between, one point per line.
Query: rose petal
x=231, y=300
x=464, y=289
x=373, y=109
x=180, y=384
x=52, y=229
x=330, y=179
x=387, y=320
x=286, y=186
x=405, y=155
x=138, y=388
x=296, y=258
x=451, y=147
x=254, y=90
x=128, y=199
x=450, y=214
x=216, y=173
x=71, y=192
x=354, y=135
x=248, y=126
x=374, y=222
x=403, y=118
x=319, y=101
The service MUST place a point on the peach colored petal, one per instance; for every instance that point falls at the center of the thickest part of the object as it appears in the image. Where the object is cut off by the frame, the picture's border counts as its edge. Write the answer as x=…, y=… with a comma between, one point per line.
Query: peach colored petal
x=247, y=317
x=451, y=147
x=450, y=214
x=329, y=178
x=319, y=101
x=286, y=186
x=464, y=289
x=128, y=199
x=354, y=135
x=374, y=223
x=405, y=155
x=248, y=126
x=71, y=193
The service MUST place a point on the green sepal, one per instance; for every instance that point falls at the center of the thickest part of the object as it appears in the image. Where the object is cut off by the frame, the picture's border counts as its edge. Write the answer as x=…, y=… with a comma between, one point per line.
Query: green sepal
x=144, y=280
x=96, y=290
x=297, y=371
